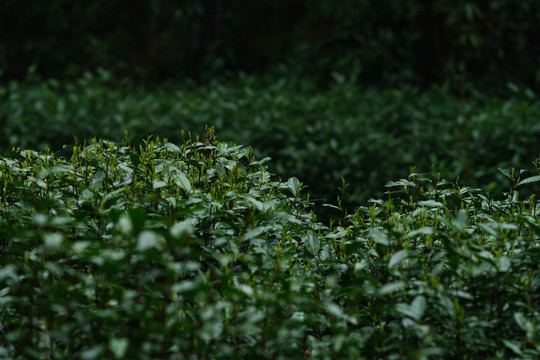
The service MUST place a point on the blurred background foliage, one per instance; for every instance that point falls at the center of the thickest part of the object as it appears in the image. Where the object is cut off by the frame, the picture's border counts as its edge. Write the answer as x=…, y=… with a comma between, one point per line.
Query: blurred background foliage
x=376, y=42
x=327, y=88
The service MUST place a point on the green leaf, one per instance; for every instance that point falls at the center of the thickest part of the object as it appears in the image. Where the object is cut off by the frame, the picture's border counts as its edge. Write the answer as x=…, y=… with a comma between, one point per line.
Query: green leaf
x=332, y=206
x=182, y=181
x=397, y=258
x=487, y=228
x=259, y=205
x=425, y=230
x=158, y=184
x=460, y=220
x=524, y=323
x=171, y=147
x=53, y=240
x=515, y=346
x=294, y=185
x=431, y=204
x=314, y=242
x=246, y=289
x=335, y=310
x=183, y=228
x=148, y=240
x=98, y=178
x=506, y=173
x=118, y=347
x=418, y=307
x=512, y=86
x=503, y=264
x=260, y=162
x=359, y=266
x=392, y=287
x=185, y=286
x=255, y=232
x=530, y=180
x=8, y=272
x=92, y=353
x=379, y=236
x=402, y=182
x=415, y=310
x=79, y=247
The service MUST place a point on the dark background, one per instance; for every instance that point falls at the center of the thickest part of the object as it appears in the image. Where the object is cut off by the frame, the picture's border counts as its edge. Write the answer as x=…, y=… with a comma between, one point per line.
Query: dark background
x=386, y=42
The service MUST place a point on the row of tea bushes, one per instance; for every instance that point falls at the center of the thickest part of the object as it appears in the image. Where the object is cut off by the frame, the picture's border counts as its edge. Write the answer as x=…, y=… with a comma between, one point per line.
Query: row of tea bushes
x=316, y=134
x=148, y=249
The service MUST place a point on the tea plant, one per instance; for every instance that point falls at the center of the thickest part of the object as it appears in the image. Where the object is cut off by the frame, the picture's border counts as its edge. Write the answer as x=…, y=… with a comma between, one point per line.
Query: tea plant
x=441, y=270
x=148, y=249
x=319, y=134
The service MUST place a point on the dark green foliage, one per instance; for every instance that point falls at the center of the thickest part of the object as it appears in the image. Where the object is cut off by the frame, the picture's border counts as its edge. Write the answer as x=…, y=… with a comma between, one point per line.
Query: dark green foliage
x=147, y=249
x=319, y=135
x=427, y=42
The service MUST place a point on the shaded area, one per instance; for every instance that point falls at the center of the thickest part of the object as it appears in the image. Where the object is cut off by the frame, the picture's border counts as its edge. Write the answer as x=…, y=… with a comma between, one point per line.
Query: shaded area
x=390, y=41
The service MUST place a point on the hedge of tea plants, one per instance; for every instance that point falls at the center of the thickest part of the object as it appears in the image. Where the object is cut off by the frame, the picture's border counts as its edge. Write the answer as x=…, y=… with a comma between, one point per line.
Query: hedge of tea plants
x=317, y=134
x=149, y=249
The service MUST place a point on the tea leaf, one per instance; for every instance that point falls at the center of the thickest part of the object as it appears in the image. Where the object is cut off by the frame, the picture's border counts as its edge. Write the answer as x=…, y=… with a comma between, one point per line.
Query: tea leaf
x=118, y=347
x=182, y=181
x=294, y=185
x=529, y=180
x=314, y=242
x=397, y=258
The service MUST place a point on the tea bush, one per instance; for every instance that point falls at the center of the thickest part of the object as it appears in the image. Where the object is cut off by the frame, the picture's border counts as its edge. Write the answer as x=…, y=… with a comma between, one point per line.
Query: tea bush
x=316, y=134
x=150, y=249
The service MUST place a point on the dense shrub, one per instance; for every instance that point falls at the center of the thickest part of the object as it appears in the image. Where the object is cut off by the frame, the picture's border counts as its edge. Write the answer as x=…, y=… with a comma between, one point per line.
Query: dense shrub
x=148, y=249
x=319, y=135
